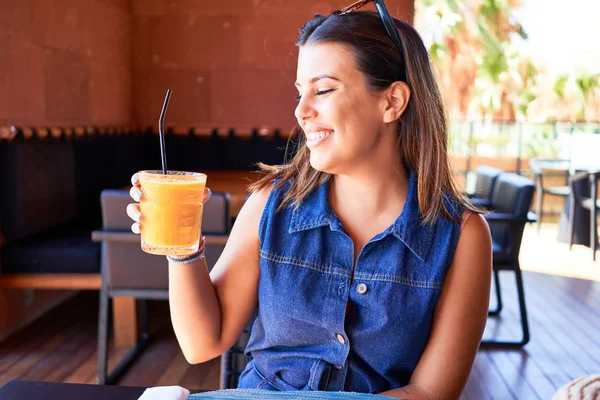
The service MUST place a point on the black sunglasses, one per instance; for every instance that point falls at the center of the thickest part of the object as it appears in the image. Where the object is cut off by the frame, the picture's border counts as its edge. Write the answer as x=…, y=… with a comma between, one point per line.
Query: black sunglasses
x=386, y=18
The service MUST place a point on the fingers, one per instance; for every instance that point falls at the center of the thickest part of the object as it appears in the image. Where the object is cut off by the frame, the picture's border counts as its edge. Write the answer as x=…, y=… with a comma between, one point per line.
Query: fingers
x=207, y=195
x=135, y=181
x=136, y=228
x=136, y=193
x=133, y=212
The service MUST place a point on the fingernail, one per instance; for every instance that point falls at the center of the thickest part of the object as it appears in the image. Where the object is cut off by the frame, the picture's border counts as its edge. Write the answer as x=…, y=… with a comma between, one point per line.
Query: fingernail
x=137, y=195
x=134, y=179
x=137, y=215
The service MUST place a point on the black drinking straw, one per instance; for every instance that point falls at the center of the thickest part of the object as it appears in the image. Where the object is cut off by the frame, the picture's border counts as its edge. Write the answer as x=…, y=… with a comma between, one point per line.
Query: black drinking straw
x=161, y=131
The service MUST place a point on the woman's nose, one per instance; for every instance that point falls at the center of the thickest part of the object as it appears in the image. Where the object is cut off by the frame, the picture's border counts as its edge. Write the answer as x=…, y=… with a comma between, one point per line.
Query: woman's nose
x=304, y=110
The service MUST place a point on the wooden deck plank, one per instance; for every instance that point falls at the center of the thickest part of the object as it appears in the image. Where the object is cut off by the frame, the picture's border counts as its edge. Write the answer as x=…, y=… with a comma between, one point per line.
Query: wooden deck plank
x=61, y=355
x=542, y=348
x=513, y=375
x=46, y=351
x=146, y=371
x=578, y=337
x=495, y=388
x=203, y=376
x=28, y=339
x=84, y=352
x=175, y=371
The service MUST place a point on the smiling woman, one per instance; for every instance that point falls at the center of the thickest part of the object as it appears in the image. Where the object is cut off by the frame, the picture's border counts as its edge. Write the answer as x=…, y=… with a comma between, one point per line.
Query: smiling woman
x=367, y=270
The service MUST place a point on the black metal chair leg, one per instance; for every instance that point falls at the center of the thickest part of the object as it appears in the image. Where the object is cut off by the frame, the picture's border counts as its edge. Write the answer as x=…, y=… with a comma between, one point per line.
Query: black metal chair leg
x=102, y=362
x=571, y=220
x=540, y=206
x=524, y=321
x=522, y=307
x=498, y=308
x=143, y=308
x=104, y=376
x=594, y=233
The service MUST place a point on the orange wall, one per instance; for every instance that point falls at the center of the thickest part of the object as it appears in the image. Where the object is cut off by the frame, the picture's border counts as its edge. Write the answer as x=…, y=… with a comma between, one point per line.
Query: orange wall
x=61, y=62
x=65, y=62
x=229, y=62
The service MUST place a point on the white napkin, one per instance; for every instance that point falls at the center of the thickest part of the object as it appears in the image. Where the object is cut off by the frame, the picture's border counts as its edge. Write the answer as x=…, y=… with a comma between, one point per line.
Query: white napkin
x=165, y=393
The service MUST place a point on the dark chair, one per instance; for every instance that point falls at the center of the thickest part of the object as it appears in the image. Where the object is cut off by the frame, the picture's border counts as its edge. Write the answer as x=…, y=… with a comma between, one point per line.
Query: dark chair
x=513, y=195
x=541, y=167
x=129, y=272
x=580, y=200
x=233, y=361
x=484, y=186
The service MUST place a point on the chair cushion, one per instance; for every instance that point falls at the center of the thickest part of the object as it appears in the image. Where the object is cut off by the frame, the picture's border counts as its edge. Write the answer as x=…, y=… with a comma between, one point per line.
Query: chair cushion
x=62, y=250
x=478, y=202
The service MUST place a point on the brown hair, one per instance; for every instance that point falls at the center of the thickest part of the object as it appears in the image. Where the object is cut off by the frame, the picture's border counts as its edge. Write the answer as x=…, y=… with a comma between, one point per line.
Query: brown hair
x=422, y=128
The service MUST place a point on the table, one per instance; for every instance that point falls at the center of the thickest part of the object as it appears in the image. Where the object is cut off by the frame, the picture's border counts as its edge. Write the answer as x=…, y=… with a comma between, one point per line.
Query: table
x=233, y=182
x=35, y=390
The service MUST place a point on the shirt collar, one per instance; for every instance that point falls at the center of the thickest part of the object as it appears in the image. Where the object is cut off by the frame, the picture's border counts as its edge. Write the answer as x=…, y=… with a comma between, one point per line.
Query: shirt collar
x=315, y=212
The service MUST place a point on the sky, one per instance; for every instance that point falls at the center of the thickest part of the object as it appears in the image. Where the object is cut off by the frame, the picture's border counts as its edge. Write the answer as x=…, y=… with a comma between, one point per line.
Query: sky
x=563, y=34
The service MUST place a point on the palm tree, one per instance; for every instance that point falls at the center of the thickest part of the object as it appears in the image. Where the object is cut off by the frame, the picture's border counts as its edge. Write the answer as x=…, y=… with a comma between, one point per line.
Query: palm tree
x=475, y=57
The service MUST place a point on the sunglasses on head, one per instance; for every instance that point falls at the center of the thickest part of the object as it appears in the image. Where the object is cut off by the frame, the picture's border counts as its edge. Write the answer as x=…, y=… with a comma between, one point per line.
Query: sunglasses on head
x=386, y=18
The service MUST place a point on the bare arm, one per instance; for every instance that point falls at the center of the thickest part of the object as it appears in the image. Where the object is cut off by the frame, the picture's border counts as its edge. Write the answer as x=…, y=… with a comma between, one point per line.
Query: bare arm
x=209, y=312
x=458, y=322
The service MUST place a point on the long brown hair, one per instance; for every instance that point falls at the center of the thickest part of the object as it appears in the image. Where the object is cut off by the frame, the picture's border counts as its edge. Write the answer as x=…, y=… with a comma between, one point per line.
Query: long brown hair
x=422, y=128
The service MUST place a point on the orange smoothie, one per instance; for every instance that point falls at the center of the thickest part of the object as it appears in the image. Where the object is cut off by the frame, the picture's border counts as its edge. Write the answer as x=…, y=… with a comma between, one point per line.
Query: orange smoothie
x=171, y=207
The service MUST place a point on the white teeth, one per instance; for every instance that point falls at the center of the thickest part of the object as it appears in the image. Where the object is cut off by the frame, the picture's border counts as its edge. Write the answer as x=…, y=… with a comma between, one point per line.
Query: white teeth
x=318, y=135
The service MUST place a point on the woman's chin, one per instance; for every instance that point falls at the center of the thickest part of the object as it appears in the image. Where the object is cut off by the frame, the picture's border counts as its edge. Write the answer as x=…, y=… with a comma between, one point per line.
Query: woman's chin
x=322, y=164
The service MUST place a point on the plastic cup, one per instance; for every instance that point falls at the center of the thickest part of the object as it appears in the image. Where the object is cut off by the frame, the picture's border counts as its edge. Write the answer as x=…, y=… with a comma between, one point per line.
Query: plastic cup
x=171, y=207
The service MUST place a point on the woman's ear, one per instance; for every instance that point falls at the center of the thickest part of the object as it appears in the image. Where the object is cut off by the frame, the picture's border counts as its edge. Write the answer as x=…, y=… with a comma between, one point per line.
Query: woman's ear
x=396, y=100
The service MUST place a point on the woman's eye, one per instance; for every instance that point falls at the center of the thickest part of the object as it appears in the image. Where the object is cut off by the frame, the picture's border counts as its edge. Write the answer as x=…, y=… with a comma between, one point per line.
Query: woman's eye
x=322, y=92
x=318, y=93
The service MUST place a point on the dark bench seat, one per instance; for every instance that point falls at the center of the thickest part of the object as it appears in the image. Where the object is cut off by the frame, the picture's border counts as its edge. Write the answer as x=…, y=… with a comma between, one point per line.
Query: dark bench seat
x=64, y=250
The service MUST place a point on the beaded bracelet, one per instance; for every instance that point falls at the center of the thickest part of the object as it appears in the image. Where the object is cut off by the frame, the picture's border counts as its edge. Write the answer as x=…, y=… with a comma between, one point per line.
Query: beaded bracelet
x=191, y=258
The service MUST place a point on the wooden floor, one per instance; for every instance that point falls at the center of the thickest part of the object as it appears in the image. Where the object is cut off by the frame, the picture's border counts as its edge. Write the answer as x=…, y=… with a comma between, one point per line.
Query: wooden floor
x=565, y=329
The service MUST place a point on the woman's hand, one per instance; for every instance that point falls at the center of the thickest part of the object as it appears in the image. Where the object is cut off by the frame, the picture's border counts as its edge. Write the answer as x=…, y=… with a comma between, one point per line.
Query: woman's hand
x=133, y=210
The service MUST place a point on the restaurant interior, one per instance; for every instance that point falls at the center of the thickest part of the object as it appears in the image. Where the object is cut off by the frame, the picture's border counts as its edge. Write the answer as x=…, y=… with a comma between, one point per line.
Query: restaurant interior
x=82, y=86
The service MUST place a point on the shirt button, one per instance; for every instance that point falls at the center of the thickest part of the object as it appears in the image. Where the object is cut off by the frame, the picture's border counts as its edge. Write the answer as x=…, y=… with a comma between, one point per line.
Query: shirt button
x=339, y=366
x=361, y=288
x=340, y=338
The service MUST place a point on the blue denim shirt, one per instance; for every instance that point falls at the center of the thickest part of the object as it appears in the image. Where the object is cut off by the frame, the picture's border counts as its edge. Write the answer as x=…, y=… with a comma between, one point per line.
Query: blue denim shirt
x=303, y=337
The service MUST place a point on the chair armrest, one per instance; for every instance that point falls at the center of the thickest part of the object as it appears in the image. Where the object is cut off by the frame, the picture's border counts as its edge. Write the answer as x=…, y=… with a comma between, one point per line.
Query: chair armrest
x=499, y=217
x=130, y=237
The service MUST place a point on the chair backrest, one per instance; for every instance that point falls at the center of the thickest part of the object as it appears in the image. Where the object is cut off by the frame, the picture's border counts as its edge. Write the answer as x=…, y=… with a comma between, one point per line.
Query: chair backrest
x=485, y=181
x=580, y=187
x=513, y=196
x=127, y=266
x=216, y=219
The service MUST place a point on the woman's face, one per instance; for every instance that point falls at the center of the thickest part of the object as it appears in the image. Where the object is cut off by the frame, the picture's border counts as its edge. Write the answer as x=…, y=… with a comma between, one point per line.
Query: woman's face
x=343, y=121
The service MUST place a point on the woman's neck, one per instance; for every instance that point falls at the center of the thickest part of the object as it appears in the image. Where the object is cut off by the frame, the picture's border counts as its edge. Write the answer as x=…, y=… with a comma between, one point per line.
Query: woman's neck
x=374, y=190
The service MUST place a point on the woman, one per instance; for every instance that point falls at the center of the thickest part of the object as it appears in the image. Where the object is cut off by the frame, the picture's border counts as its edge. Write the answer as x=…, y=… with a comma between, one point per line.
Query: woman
x=369, y=271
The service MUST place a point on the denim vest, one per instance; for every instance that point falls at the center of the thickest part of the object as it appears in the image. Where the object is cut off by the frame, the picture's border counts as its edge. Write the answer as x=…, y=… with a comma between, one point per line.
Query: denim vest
x=303, y=338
